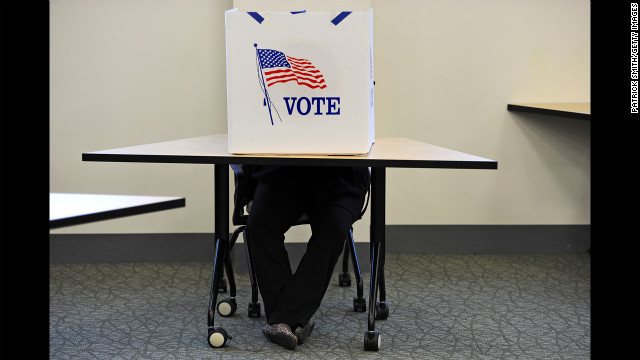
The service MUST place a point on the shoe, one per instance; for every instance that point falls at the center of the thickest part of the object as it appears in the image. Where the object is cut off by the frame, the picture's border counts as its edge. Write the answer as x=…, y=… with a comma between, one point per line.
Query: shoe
x=303, y=332
x=281, y=335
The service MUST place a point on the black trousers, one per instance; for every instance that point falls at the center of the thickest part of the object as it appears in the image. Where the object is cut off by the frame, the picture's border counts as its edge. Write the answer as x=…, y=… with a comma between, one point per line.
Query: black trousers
x=293, y=297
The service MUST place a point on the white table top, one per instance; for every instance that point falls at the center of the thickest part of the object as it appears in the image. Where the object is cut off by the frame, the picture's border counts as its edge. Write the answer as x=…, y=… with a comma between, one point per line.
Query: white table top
x=213, y=149
x=67, y=209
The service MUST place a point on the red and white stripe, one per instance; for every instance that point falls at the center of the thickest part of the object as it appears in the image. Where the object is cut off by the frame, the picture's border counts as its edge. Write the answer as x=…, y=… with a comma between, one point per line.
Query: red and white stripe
x=302, y=71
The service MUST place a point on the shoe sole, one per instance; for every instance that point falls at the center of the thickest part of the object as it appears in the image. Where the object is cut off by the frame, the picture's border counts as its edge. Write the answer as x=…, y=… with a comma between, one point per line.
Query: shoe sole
x=280, y=338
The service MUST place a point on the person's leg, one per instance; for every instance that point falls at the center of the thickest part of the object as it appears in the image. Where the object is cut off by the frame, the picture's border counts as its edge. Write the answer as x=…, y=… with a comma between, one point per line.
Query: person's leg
x=301, y=296
x=274, y=210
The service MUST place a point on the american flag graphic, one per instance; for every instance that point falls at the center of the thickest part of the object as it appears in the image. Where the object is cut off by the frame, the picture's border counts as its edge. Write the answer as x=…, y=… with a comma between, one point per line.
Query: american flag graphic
x=280, y=68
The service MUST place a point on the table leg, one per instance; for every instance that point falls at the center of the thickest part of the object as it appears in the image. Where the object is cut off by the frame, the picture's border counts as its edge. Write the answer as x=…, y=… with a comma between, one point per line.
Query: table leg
x=377, y=239
x=217, y=336
x=382, y=308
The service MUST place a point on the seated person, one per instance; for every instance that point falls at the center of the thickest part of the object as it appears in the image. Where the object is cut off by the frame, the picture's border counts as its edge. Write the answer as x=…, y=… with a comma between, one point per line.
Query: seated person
x=333, y=198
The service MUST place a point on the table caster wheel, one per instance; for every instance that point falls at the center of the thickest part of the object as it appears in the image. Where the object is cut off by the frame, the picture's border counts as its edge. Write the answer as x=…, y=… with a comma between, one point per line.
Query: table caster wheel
x=254, y=309
x=344, y=279
x=227, y=307
x=372, y=341
x=222, y=286
x=217, y=337
x=359, y=305
x=382, y=310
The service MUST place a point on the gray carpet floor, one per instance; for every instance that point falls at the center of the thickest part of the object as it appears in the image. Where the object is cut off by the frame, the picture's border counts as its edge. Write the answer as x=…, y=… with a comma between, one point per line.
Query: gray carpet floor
x=441, y=307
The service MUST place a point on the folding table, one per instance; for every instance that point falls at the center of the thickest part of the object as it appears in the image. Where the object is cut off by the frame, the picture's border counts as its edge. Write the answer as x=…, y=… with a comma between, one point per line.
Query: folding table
x=213, y=149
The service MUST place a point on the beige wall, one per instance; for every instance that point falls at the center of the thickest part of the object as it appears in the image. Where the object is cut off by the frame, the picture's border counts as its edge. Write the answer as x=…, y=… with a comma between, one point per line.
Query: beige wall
x=128, y=72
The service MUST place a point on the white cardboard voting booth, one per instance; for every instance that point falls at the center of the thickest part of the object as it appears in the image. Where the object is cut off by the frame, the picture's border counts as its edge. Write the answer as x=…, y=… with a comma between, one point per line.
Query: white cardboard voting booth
x=300, y=82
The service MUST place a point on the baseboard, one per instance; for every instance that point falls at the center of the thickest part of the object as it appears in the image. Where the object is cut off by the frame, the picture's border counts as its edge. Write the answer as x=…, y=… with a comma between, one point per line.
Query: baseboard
x=488, y=239
x=424, y=239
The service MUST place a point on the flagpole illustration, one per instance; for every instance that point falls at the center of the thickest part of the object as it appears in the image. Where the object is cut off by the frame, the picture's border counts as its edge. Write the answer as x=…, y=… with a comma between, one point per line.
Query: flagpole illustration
x=262, y=83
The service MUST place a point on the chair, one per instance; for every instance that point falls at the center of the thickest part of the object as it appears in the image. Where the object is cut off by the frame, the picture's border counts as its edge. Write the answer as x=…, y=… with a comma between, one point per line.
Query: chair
x=243, y=195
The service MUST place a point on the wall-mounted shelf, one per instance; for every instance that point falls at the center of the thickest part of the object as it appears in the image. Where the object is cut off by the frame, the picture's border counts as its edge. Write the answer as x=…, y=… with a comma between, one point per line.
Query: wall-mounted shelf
x=581, y=111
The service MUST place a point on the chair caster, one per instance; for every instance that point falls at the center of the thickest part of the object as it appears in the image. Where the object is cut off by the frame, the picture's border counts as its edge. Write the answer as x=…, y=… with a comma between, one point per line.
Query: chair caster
x=222, y=286
x=254, y=309
x=227, y=307
x=217, y=337
x=344, y=279
x=382, y=310
x=372, y=341
x=359, y=304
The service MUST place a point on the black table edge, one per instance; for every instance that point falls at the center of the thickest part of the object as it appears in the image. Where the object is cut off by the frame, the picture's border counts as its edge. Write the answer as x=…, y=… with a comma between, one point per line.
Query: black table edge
x=117, y=213
x=552, y=112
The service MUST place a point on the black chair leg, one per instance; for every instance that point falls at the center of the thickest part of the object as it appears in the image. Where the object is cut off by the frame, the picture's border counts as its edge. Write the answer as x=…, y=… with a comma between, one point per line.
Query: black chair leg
x=344, y=278
x=228, y=264
x=359, y=302
x=382, y=308
x=222, y=285
x=228, y=306
x=254, y=306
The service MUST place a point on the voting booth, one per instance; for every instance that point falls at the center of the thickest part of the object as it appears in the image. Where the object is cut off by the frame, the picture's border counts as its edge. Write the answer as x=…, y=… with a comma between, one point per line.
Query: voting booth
x=300, y=82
